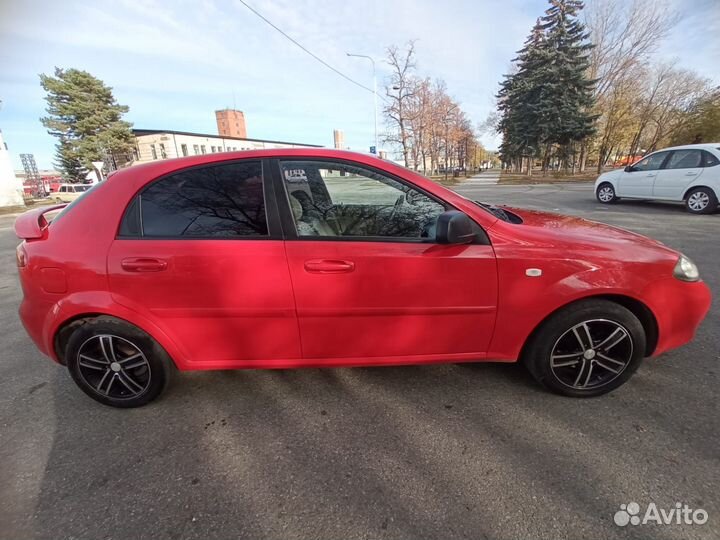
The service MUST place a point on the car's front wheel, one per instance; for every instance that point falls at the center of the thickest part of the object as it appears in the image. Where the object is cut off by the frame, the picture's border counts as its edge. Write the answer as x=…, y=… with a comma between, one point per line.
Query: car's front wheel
x=606, y=193
x=701, y=200
x=116, y=363
x=587, y=349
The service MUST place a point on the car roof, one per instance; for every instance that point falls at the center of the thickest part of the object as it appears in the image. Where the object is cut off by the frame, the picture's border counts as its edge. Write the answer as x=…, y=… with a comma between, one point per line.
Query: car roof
x=165, y=166
x=705, y=146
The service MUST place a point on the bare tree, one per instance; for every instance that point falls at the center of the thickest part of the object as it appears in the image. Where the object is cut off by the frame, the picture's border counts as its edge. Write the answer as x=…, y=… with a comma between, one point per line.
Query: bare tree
x=669, y=98
x=625, y=34
x=400, y=90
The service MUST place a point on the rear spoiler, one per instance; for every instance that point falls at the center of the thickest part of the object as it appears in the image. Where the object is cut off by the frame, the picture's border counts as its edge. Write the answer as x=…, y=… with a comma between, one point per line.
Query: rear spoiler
x=33, y=224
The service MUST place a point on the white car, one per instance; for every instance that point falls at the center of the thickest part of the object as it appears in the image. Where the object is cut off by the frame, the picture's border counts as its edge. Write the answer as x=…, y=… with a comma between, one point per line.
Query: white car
x=70, y=192
x=688, y=173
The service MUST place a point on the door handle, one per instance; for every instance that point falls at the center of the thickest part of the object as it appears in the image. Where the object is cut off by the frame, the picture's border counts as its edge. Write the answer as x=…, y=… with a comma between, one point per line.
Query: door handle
x=329, y=266
x=143, y=264
x=690, y=174
x=651, y=174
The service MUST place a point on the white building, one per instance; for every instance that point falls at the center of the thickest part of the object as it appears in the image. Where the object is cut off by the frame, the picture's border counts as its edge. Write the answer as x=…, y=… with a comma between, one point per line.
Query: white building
x=11, y=188
x=151, y=144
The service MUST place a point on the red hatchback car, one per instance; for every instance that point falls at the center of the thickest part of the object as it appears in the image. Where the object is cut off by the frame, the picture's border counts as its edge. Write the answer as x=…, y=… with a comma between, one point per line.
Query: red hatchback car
x=313, y=257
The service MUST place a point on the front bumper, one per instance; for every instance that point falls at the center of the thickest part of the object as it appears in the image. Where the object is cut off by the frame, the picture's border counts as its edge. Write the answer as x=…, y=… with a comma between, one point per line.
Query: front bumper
x=679, y=308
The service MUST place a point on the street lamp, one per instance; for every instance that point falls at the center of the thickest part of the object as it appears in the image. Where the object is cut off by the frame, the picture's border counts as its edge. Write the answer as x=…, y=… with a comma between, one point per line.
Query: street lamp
x=374, y=92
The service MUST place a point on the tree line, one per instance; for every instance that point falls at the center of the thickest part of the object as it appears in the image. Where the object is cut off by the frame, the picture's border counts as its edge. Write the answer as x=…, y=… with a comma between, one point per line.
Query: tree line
x=429, y=127
x=585, y=89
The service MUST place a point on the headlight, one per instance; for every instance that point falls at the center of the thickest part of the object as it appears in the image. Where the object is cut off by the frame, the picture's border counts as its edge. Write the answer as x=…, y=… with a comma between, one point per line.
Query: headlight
x=686, y=270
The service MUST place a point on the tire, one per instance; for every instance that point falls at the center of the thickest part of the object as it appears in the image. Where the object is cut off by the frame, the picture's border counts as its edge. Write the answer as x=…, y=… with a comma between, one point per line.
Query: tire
x=553, y=357
x=116, y=363
x=606, y=193
x=701, y=200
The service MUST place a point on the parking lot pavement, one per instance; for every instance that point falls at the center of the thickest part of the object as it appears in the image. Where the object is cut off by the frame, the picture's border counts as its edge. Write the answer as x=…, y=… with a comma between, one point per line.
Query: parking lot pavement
x=447, y=451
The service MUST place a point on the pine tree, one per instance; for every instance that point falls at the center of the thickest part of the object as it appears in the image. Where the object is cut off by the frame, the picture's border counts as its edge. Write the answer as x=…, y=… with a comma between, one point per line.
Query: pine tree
x=84, y=116
x=521, y=102
x=570, y=99
x=546, y=103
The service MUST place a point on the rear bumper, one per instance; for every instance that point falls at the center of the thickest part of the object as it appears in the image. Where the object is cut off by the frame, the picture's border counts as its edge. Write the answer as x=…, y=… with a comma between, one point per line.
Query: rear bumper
x=679, y=308
x=33, y=316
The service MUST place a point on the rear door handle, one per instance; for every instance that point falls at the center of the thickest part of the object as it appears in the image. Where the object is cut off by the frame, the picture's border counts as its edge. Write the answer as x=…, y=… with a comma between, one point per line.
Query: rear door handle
x=651, y=174
x=143, y=264
x=329, y=266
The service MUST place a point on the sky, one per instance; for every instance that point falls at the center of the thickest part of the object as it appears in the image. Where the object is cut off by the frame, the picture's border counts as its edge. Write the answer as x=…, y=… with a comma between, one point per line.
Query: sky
x=175, y=62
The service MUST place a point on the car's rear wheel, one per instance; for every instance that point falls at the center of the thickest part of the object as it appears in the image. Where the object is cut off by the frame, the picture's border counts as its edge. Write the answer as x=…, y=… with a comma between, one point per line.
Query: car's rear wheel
x=587, y=349
x=116, y=363
x=606, y=193
x=701, y=200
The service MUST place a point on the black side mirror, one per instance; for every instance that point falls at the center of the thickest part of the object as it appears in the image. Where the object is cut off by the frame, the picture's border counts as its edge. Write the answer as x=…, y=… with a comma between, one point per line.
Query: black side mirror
x=628, y=168
x=454, y=227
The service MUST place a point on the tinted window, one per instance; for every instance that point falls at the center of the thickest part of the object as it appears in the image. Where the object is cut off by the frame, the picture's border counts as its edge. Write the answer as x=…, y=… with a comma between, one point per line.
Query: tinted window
x=650, y=163
x=223, y=201
x=685, y=159
x=710, y=159
x=330, y=199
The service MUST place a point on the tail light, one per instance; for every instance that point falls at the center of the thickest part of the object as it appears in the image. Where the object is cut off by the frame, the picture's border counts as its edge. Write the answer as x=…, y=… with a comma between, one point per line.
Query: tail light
x=21, y=255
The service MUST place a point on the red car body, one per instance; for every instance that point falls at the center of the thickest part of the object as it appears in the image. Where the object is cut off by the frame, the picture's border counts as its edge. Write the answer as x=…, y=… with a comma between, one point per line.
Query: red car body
x=286, y=302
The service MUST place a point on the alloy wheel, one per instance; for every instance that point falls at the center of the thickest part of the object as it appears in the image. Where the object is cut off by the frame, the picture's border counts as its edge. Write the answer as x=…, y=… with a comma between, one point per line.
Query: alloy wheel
x=113, y=366
x=698, y=201
x=606, y=194
x=591, y=354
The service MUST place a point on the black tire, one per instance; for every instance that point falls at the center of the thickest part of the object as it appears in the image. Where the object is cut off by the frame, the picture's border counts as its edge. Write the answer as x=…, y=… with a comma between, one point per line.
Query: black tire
x=699, y=196
x=139, y=374
x=606, y=188
x=550, y=352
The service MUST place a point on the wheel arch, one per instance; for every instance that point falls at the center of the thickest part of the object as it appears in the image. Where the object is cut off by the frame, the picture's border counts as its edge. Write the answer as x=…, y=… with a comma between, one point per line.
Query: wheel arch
x=68, y=326
x=635, y=306
x=696, y=186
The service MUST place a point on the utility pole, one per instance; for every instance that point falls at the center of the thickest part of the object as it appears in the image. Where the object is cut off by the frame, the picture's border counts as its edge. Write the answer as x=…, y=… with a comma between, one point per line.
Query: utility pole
x=374, y=93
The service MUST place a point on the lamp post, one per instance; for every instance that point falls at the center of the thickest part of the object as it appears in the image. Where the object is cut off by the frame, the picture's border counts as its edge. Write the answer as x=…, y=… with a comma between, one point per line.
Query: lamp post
x=374, y=92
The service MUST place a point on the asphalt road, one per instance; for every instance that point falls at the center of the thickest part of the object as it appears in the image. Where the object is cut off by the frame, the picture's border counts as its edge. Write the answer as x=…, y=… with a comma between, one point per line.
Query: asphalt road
x=448, y=451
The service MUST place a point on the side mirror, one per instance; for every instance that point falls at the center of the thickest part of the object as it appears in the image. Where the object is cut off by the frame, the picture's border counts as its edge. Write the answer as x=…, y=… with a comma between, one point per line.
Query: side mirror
x=628, y=168
x=454, y=227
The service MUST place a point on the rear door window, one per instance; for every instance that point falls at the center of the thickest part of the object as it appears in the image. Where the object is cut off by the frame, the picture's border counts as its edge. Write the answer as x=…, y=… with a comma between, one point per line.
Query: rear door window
x=685, y=159
x=219, y=201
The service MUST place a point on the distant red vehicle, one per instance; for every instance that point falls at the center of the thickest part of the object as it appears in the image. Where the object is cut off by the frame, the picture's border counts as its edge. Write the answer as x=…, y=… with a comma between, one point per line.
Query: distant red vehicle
x=312, y=257
x=627, y=160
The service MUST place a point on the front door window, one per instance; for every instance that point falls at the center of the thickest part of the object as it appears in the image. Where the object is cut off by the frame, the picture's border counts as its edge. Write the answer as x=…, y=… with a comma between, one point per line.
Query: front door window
x=342, y=200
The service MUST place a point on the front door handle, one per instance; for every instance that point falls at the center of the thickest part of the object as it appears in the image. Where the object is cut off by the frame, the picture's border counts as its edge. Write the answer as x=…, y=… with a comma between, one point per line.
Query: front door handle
x=329, y=266
x=651, y=174
x=143, y=264
x=691, y=174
